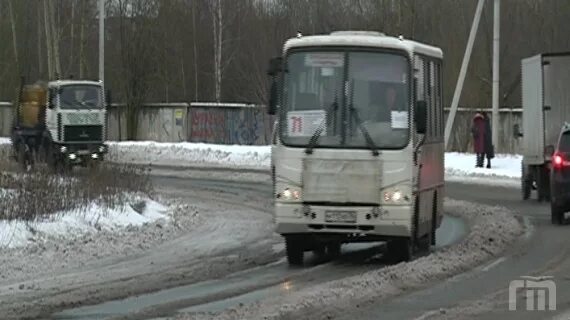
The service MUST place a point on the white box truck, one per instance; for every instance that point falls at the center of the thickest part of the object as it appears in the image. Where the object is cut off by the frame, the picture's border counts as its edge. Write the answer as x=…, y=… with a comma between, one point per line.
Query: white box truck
x=546, y=107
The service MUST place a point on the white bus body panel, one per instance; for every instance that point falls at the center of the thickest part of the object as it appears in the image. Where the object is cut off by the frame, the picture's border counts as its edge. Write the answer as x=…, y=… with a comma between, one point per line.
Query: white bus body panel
x=354, y=180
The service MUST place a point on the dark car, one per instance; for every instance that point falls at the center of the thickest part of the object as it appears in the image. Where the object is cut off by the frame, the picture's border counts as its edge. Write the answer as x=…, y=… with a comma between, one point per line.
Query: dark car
x=560, y=177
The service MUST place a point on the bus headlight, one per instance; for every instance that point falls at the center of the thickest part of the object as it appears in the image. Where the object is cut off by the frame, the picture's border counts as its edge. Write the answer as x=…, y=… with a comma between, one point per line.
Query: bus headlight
x=396, y=196
x=289, y=194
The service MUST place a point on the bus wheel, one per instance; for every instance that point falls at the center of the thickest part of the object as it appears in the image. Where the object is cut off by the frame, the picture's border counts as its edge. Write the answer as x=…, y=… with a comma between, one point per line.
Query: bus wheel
x=333, y=250
x=319, y=250
x=294, y=250
x=400, y=250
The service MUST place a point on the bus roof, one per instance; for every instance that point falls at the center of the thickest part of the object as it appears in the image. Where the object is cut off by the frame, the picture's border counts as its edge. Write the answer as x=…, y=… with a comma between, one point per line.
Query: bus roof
x=363, y=39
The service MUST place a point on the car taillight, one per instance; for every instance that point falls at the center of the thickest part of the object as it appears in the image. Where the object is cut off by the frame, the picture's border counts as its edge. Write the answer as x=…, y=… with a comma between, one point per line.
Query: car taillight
x=558, y=160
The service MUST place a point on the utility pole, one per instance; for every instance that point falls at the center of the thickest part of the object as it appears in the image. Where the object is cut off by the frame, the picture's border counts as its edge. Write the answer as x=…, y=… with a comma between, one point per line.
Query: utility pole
x=462, y=72
x=102, y=40
x=496, y=43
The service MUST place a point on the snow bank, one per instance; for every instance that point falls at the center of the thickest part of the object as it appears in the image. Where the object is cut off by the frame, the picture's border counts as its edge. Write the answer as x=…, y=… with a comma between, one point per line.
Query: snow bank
x=493, y=229
x=72, y=224
x=459, y=166
x=190, y=154
x=462, y=164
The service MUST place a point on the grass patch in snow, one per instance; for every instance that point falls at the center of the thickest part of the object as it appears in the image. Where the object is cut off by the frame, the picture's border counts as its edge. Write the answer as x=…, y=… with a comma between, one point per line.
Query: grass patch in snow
x=39, y=194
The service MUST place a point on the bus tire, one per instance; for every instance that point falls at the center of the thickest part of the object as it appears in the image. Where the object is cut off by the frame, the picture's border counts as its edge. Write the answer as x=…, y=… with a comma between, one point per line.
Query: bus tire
x=433, y=220
x=333, y=250
x=400, y=250
x=294, y=250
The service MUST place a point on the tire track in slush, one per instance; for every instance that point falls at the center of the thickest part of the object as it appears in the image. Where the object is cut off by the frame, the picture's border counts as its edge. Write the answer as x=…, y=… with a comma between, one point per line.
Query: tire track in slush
x=253, y=284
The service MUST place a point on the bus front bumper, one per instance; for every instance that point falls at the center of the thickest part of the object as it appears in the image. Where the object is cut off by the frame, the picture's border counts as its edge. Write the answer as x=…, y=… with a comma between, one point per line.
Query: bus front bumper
x=389, y=221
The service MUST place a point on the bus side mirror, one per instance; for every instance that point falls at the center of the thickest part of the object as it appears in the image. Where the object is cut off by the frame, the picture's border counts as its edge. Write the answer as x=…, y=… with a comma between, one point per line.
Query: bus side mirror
x=272, y=108
x=517, y=131
x=420, y=117
x=275, y=68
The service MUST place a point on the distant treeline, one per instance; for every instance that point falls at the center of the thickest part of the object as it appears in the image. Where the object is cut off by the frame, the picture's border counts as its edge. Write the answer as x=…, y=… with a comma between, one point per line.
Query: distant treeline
x=186, y=50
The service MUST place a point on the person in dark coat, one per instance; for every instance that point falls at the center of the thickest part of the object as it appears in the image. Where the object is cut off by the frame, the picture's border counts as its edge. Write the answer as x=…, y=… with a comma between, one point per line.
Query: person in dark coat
x=482, y=139
x=489, y=149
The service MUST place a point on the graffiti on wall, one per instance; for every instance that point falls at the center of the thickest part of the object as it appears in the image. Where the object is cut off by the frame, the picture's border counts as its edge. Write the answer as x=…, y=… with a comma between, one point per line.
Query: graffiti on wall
x=245, y=126
x=207, y=125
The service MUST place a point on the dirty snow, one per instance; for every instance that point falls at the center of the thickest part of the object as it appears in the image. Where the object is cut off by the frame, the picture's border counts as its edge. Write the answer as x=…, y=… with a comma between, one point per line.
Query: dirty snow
x=191, y=154
x=458, y=165
x=492, y=229
x=75, y=240
x=461, y=166
x=506, y=169
x=72, y=224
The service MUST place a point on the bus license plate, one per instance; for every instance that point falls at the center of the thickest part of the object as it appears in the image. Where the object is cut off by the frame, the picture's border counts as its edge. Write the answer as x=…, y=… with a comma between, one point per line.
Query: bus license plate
x=340, y=216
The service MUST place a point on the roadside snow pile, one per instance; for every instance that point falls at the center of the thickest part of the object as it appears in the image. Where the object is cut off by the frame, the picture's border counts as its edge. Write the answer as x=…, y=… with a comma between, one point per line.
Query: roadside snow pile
x=4, y=147
x=189, y=154
x=492, y=229
x=460, y=165
x=76, y=223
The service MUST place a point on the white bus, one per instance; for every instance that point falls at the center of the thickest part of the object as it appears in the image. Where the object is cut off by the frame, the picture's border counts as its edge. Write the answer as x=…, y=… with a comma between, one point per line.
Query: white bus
x=358, y=147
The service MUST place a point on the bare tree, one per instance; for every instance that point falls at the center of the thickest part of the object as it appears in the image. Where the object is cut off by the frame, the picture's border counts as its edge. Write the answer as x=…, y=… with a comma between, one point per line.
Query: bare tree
x=218, y=30
x=137, y=51
x=14, y=35
x=49, y=48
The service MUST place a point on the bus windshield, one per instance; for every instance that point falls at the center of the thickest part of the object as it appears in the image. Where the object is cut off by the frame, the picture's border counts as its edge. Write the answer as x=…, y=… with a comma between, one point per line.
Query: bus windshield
x=337, y=99
x=81, y=97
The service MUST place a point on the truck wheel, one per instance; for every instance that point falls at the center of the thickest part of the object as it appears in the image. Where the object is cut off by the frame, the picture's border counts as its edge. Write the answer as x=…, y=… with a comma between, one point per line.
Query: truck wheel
x=542, y=182
x=24, y=158
x=556, y=214
x=526, y=184
x=294, y=250
x=400, y=250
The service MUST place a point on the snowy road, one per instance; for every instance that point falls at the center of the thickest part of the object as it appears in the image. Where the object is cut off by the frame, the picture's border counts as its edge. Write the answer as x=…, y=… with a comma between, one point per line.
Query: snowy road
x=249, y=285
x=238, y=259
x=483, y=292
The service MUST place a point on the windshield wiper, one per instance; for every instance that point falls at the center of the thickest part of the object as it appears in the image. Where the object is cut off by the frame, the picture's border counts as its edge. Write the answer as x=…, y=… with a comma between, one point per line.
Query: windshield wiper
x=369, y=141
x=317, y=134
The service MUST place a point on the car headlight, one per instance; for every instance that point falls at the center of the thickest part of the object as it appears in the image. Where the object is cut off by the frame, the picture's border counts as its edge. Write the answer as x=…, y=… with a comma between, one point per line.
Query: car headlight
x=396, y=196
x=63, y=149
x=289, y=194
x=102, y=149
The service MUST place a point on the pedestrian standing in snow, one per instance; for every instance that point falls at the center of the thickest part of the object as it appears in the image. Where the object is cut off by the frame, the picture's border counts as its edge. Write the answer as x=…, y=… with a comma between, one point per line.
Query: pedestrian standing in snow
x=482, y=139
x=489, y=148
x=478, y=132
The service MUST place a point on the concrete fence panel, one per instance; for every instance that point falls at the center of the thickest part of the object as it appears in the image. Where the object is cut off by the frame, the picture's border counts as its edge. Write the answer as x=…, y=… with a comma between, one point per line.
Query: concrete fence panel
x=246, y=124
